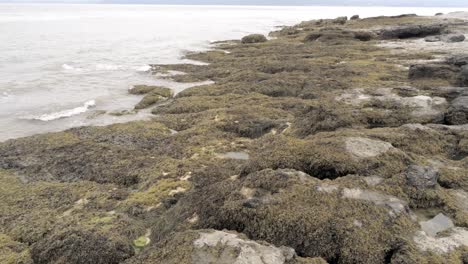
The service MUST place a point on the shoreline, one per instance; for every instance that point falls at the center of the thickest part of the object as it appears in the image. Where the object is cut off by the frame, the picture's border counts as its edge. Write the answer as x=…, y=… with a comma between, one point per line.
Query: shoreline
x=314, y=146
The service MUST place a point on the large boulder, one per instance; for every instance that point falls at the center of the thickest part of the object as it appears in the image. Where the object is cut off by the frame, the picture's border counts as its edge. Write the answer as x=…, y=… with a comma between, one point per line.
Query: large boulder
x=411, y=31
x=253, y=38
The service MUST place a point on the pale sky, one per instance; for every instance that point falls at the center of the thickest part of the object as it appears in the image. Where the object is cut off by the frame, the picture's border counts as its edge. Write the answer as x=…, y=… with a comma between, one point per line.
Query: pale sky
x=437, y=3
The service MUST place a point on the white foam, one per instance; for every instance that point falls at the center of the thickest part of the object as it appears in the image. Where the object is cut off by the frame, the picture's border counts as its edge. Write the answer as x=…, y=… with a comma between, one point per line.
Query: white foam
x=145, y=68
x=67, y=67
x=66, y=113
x=108, y=67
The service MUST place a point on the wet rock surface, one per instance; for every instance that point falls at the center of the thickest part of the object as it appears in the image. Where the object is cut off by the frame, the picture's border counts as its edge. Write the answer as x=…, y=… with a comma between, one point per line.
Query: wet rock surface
x=320, y=145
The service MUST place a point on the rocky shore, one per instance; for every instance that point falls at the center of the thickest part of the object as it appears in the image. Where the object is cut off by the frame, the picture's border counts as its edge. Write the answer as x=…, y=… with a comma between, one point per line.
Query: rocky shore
x=332, y=141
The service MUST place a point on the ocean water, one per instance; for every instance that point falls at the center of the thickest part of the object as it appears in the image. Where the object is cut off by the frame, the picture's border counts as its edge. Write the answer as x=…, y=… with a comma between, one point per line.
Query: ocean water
x=61, y=66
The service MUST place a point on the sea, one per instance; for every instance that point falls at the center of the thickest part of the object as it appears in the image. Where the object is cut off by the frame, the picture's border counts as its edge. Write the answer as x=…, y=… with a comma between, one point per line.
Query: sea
x=70, y=65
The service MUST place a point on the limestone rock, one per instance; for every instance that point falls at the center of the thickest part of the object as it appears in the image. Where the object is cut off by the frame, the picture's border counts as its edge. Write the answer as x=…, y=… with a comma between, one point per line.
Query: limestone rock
x=363, y=148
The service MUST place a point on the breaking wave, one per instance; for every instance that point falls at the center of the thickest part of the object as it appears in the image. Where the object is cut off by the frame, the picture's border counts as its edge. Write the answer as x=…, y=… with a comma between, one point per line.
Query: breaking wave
x=66, y=113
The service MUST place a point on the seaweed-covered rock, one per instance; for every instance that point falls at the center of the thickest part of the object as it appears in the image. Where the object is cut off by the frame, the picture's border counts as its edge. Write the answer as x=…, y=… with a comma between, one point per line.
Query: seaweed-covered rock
x=340, y=20
x=334, y=224
x=253, y=38
x=12, y=252
x=458, y=112
x=80, y=247
x=213, y=246
x=149, y=100
x=412, y=31
x=364, y=35
x=442, y=71
x=421, y=177
x=145, y=89
x=338, y=35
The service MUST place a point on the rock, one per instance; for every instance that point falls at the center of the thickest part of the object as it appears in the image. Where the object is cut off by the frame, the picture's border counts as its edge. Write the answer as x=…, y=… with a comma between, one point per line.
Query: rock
x=312, y=221
x=123, y=112
x=452, y=38
x=364, y=35
x=456, y=238
x=421, y=177
x=363, y=148
x=395, y=205
x=340, y=20
x=213, y=246
x=411, y=31
x=438, y=224
x=338, y=35
x=432, y=39
x=249, y=251
x=355, y=17
x=458, y=60
x=439, y=14
x=442, y=71
x=458, y=112
x=462, y=80
x=254, y=38
x=80, y=247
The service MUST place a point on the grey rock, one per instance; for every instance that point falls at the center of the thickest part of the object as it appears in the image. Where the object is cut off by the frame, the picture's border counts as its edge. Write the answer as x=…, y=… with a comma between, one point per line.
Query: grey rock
x=432, y=39
x=412, y=31
x=463, y=77
x=458, y=112
x=438, y=224
x=439, y=14
x=452, y=38
x=421, y=177
x=443, y=71
x=219, y=246
x=458, y=60
x=355, y=17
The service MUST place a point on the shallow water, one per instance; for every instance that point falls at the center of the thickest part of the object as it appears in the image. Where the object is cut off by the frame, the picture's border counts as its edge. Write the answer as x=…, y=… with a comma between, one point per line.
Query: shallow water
x=62, y=64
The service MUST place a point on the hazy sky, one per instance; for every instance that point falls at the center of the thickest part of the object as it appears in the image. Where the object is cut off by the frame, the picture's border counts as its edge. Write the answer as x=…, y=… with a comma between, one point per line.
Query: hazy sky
x=439, y=3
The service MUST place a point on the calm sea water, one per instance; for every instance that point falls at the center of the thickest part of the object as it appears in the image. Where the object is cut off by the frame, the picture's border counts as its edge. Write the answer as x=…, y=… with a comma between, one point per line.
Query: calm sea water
x=59, y=64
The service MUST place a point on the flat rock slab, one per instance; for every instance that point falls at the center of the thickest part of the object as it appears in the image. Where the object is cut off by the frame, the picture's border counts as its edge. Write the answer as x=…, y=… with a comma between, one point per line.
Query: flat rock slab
x=235, y=250
x=436, y=225
x=363, y=148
